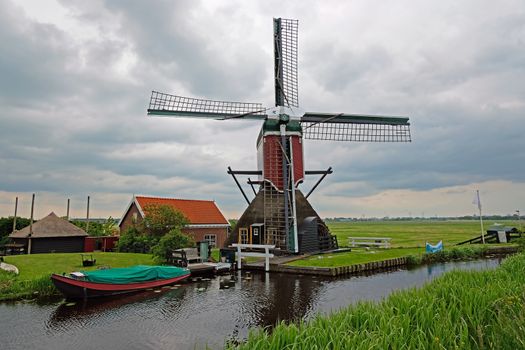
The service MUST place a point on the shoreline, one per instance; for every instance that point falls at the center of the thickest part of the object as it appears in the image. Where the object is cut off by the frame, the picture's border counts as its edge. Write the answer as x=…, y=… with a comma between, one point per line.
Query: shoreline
x=377, y=266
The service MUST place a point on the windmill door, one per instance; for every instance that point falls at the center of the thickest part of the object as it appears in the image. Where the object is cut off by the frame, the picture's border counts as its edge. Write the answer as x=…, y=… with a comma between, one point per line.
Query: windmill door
x=257, y=231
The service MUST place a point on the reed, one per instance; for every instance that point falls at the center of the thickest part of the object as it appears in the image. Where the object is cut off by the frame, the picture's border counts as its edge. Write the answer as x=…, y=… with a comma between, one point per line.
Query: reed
x=12, y=288
x=460, y=310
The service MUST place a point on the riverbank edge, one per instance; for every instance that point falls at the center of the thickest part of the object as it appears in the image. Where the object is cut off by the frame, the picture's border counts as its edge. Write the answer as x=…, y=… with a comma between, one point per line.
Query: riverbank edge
x=374, y=266
x=458, y=310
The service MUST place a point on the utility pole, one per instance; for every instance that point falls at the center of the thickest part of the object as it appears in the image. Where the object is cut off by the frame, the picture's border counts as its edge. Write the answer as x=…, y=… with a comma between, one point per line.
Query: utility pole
x=14, y=218
x=67, y=212
x=31, y=225
x=519, y=219
x=87, y=217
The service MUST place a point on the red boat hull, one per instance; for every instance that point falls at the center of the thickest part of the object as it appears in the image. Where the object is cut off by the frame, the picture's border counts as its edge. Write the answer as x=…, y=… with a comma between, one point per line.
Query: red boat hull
x=77, y=289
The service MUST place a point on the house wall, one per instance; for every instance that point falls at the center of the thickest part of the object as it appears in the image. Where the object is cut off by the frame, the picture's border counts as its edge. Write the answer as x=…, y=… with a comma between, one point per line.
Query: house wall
x=104, y=243
x=199, y=233
x=128, y=219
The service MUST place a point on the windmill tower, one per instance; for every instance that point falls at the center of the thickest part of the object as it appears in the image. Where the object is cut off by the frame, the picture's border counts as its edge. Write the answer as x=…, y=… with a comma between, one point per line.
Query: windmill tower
x=280, y=214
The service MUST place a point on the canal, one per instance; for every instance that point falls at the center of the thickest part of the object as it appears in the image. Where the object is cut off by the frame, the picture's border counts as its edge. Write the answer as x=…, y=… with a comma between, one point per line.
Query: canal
x=200, y=313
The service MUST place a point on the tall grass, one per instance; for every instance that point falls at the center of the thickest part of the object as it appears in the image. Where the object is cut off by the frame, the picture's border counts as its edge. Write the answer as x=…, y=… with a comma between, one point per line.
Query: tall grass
x=13, y=288
x=456, y=253
x=460, y=310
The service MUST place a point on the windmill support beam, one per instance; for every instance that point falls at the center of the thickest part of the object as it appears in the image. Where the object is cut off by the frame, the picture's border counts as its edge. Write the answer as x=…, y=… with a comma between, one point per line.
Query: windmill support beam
x=250, y=182
x=254, y=182
x=232, y=173
x=323, y=172
x=286, y=186
x=244, y=172
x=319, y=172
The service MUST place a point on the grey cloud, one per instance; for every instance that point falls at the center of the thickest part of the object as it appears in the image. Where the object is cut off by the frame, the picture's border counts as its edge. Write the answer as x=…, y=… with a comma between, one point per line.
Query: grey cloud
x=71, y=124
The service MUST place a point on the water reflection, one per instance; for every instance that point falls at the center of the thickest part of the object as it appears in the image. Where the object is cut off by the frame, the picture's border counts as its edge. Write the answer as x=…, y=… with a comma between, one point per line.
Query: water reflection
x=82, y=313
x=201, y=313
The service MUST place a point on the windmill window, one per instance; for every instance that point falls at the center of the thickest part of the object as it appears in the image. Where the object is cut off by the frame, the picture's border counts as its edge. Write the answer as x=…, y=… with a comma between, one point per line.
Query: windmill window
x=243, y=236
x=211, y=239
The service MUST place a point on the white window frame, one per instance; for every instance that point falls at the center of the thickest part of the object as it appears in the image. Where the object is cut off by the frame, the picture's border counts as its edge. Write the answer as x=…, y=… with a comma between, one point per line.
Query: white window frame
x=211, y=238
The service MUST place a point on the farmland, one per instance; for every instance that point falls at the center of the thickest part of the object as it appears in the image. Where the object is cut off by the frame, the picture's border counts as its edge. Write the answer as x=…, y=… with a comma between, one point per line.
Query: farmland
x=411, y=234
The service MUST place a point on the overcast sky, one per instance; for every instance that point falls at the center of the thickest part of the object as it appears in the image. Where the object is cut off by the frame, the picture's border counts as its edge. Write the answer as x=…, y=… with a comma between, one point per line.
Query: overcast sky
x=75, y=80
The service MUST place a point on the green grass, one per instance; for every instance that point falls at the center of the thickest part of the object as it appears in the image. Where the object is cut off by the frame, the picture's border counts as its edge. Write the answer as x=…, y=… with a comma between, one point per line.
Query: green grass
x=356, y=256
x=460, y=310
x=35, y=270
x=408, y=239
x=37, y=265
x=416, y=256
x=411, y=233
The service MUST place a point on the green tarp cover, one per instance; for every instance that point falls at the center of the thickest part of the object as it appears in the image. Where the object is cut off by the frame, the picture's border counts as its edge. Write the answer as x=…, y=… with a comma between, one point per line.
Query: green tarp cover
x=134, y=274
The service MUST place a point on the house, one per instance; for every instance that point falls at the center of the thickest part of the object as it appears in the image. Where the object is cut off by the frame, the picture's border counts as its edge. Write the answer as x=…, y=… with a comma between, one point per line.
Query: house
x=206, y=222
x=51, y=235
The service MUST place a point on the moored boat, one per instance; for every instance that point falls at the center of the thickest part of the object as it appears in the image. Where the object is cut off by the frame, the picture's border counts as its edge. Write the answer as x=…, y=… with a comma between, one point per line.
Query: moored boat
x=97, y=283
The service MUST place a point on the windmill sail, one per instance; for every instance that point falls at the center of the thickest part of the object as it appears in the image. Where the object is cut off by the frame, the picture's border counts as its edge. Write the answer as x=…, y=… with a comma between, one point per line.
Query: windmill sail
x=285, y=56
x=162, y=104
x=352, y=127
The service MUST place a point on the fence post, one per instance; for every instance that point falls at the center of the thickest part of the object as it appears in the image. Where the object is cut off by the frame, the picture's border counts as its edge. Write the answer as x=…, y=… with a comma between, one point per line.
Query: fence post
x=238, y=257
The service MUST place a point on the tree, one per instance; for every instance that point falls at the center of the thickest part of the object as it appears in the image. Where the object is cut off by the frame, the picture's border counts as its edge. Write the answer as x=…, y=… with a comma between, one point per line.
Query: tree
x=6, y=227
x=97, y=229
x=174, y=239
x=159, y=232
x=160, y=219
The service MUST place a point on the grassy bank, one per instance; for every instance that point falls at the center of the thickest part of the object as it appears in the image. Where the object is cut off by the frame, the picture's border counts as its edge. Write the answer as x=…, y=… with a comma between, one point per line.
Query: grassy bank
x=35, y=270
x=356, y=256
x=416, y=256
x=460, y=310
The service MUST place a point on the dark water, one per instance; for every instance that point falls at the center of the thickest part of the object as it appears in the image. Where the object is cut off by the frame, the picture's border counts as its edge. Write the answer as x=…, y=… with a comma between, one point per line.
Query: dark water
x=199, y=313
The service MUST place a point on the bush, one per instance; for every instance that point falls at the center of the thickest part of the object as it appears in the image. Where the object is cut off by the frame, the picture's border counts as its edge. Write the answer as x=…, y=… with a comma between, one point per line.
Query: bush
x=133, y=241
x=456, y=253
x=174, y=239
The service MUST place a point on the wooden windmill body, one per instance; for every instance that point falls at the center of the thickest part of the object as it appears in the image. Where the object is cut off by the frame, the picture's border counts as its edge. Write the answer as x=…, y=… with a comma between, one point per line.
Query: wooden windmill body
x=279, y=213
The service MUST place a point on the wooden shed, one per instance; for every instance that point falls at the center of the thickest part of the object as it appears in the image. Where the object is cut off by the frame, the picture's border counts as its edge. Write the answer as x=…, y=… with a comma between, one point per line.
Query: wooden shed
x=51, y=235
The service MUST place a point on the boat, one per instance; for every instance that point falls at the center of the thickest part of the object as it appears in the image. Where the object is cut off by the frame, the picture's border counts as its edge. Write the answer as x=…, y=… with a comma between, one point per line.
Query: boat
x=98, y=283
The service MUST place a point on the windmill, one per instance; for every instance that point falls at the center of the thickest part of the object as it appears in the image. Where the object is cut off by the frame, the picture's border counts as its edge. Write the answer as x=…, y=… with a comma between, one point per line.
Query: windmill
x=280, y=214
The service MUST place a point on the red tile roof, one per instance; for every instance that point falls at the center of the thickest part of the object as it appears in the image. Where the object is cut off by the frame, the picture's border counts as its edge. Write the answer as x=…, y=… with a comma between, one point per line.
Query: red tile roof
x=197, y=211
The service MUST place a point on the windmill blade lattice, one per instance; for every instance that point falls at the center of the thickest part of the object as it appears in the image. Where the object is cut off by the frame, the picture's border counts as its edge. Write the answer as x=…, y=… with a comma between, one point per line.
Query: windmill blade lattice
x=179, y=106
x=351, y=127
x=285, y=52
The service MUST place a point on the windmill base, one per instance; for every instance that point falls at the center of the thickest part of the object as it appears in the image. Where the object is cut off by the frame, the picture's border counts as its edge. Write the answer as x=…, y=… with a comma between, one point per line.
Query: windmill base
x=313, y=234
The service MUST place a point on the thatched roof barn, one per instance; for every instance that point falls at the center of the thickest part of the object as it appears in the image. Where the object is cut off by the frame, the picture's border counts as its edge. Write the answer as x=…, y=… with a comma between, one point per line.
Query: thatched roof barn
x=51, y=234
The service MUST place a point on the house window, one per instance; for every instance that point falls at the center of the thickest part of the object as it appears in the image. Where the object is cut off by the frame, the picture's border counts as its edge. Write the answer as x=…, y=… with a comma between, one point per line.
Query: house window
x=243, y=236
x=134, y=218
x=211, y=239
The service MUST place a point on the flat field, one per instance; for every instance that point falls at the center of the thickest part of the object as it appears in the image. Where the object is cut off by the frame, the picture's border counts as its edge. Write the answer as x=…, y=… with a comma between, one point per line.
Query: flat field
x=411, y=234
x=408, y=238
